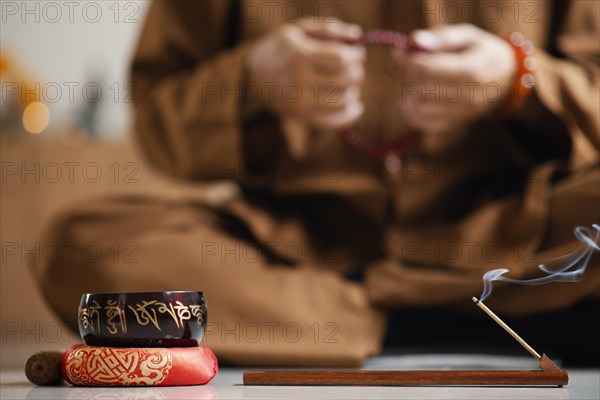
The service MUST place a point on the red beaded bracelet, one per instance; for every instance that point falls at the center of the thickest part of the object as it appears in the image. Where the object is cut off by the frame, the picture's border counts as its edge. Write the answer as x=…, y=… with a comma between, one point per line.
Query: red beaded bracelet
x=524, y=81
x=381, y=149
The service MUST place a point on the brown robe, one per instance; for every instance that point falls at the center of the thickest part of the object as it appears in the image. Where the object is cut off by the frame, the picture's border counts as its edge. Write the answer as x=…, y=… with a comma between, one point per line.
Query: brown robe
x=312, y=211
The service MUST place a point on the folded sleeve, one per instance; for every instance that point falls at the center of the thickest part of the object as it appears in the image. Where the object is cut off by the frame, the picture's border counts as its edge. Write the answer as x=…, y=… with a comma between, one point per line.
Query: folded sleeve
x=569, y=81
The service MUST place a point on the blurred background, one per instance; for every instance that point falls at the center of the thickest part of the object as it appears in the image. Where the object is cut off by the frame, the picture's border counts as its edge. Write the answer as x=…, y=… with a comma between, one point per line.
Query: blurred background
x=65, y=118
x=66, y=111
x=73, y=57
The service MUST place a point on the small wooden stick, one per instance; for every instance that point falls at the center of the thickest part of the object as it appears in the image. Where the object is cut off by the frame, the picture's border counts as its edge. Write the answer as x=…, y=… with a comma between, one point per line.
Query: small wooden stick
x=43, y=368
x=507, y=328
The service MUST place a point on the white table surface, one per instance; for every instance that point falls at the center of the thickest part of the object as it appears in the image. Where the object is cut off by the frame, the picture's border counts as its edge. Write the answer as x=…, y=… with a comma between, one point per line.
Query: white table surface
x=583, y=384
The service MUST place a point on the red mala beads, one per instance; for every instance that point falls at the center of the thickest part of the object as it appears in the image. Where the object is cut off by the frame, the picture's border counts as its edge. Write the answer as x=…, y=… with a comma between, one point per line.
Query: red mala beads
x=383, y=149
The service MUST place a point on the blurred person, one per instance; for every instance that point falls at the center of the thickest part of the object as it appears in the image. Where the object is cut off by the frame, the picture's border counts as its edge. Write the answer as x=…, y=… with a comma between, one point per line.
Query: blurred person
x=323, y=240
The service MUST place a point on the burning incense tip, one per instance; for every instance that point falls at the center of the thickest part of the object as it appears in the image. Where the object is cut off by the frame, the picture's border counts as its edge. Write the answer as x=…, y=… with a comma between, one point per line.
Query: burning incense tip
x=506, y=328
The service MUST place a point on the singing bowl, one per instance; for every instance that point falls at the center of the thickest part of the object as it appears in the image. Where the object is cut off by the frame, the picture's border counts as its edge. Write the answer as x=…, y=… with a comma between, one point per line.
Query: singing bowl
x=151, y=319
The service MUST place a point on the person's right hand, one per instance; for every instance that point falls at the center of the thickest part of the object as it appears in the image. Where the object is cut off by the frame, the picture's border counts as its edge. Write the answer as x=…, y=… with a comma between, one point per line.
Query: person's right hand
x=311, y=71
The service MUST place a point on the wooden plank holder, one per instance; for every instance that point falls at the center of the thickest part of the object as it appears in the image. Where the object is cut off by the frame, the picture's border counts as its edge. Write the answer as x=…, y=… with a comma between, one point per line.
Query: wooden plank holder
x=549, y=373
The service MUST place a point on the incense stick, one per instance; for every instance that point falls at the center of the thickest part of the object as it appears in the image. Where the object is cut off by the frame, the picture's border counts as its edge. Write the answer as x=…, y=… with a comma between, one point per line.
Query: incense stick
x=507, y=328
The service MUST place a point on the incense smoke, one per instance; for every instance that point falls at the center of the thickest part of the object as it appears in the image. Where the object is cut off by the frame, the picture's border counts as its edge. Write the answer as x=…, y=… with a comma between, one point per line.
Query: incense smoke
x=567, y=268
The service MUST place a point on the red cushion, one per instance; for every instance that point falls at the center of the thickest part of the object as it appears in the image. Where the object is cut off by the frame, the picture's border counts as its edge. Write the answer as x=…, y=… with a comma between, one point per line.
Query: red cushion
x=128, y=366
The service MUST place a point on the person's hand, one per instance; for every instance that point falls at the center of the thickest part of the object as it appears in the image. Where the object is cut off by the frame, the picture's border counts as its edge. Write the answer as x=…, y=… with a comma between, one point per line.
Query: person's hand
x=462, y=74
x=311, y=72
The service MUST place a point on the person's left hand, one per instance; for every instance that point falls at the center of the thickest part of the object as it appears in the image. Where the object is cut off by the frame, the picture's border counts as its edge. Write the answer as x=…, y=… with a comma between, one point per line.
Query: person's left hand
x=462, y=74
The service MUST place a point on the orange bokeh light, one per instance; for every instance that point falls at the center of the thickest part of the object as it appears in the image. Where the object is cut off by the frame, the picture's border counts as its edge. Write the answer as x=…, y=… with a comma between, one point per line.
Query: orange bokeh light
x=36, y=117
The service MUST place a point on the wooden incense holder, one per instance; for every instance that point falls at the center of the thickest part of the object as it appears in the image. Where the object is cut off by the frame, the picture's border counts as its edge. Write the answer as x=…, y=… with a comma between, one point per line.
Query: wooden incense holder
x=548, y=375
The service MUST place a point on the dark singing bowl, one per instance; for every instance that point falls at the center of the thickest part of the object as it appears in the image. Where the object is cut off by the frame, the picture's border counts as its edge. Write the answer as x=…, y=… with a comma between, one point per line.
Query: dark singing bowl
x=153, y=319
